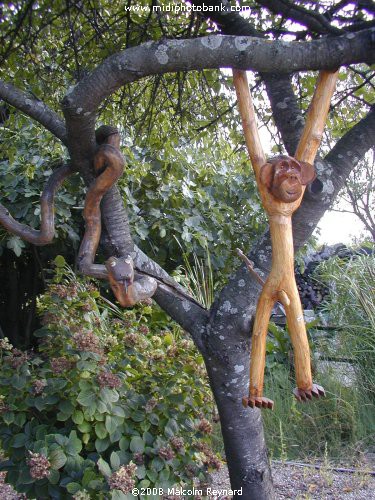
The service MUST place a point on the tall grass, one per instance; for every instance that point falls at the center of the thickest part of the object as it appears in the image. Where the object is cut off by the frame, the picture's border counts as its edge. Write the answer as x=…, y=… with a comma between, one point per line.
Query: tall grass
x=352, y=307
x=198, y=277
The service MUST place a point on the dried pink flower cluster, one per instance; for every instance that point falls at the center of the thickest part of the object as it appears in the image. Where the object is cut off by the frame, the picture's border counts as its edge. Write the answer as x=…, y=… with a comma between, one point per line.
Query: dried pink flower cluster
x=39, y=465
x=177, y=443
x=64, y=291
x=204, y=426
x=50, y=318
x=87, y=341
x=130, y=339
x=139, y=458
x=210, y=460
x=38, y=386
x=144, y=329
x=123, y=479
x=60, y=365
x=150, y=405
x=108, y=379
x=172, y=351
x=3, y=406
x=166, y=452
x=17, y=358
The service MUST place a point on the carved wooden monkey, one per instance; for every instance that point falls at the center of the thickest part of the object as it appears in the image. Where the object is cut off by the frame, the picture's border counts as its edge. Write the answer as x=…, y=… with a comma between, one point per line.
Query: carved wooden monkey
x=127, y=288
x=281, y=182
x=284, y=177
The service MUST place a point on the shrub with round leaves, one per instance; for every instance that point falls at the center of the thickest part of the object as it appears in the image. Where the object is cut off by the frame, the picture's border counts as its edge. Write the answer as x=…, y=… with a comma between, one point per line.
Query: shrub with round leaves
x=112, y=400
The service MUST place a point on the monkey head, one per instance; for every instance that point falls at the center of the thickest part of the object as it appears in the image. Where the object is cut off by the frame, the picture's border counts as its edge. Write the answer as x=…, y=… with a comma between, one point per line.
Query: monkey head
x=120, y=273
x=284, y=177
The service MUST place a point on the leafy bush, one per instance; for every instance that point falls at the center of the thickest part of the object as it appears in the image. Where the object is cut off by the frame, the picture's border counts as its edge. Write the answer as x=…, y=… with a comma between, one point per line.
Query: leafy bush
x=106, y=404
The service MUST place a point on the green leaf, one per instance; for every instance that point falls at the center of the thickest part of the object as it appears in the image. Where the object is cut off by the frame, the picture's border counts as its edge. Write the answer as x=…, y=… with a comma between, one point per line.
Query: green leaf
x=104, y=468
x=77, y=417
x=124, y=444
x=19, y=440
x=86, y=397
x=18, y=381
x=74, y=445
x=102, y=444
x=88, y=476
x=8, y=417
x=137, y=444
x=59, y=261
x=141, y=472
x=85, y=427
x=66, y=407
x=119, y=495
x=73, y=488
x=16, y=244
x=109, y=395
x=110, y=424
x=115, y=460
x=54, y=476
x=100, y=430
x=57, y=458
x=157, y=464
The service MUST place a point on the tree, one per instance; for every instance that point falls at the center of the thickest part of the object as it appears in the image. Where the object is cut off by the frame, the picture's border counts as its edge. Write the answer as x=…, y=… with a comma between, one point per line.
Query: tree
x=106, y=50
x=357, y=194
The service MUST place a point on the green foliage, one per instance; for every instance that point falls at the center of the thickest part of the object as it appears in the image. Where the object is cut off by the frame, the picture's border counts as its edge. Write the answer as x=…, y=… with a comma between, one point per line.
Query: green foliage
x=27, y=158
x=102, y=394
x=351, y=307
x=202, y=194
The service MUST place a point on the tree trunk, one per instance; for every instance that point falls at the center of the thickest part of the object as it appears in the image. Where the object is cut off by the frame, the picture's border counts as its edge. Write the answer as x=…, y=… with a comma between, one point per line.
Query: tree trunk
x=242, y=429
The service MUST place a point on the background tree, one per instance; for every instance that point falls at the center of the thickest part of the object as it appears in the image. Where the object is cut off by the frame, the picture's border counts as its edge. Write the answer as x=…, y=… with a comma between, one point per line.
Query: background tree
x=92, y=58
x=357, y=196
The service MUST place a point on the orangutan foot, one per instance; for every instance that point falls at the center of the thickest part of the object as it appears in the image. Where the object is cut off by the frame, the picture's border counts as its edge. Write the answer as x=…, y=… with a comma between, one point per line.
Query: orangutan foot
x=257, y=401
x=304, y=395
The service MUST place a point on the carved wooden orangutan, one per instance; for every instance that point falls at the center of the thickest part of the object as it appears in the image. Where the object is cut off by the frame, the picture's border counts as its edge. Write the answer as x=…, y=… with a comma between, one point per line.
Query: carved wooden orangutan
x=281, y=183
x=128, y=287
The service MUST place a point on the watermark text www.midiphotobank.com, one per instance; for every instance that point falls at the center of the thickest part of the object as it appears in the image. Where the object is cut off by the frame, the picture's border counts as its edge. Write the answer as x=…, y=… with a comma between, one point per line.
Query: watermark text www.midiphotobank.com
x=178, y=8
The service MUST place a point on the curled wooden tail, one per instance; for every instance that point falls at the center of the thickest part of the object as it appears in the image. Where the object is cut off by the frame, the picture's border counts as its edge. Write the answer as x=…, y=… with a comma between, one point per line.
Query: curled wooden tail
x=46, y=233
x=128, y=287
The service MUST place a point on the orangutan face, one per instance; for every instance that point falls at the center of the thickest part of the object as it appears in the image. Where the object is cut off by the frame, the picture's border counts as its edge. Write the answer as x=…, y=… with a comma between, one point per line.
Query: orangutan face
x=284, y=177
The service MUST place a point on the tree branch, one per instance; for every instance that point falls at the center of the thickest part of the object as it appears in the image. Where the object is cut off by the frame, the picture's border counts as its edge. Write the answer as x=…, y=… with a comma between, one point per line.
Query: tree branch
x=34, y=108
x=313, y=20
x=332, y=173
x=212, y=52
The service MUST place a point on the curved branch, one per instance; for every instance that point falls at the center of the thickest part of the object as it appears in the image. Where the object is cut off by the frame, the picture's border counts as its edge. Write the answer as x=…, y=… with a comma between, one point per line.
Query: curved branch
x=332, y=173
x=47, y=230
x=313, y=20
x=212, y=52
x=35, y=109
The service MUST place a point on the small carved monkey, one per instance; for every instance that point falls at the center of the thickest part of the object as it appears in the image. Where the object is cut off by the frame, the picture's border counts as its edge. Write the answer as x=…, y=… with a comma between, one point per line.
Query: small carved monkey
x=128, y=288
x=284, y=177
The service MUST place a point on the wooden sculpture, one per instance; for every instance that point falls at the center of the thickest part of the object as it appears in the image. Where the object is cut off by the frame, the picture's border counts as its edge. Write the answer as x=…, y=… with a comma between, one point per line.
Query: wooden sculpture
x=128, y=286
x=46, y=233
x=281, y=182
x=109, y=163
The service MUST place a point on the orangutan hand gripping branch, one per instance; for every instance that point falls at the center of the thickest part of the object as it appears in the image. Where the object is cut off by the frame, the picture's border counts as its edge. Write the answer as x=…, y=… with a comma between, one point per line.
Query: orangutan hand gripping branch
x=281, y=183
